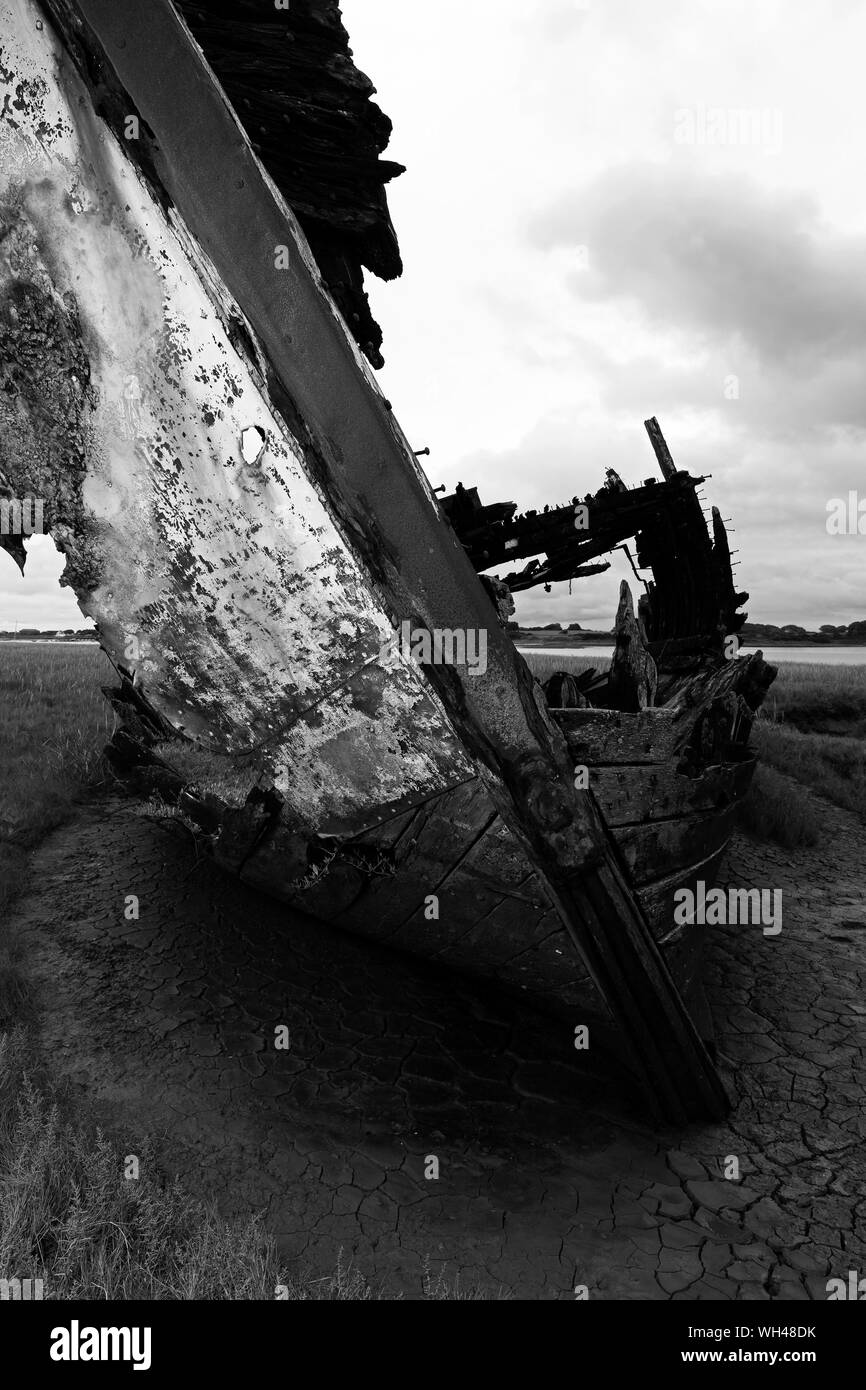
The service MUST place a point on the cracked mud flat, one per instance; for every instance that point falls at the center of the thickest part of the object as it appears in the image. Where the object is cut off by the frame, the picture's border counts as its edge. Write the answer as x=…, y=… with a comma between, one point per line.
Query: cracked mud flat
x=548, y=1175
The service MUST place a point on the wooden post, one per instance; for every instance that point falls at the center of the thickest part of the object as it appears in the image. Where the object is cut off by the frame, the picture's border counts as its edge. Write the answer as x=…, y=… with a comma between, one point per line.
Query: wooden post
x=662, y=452
x=633, y=673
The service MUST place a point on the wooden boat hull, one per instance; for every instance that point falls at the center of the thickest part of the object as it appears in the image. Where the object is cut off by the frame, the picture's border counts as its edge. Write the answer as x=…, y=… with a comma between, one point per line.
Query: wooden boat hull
x=453, y=884
x=246, y=524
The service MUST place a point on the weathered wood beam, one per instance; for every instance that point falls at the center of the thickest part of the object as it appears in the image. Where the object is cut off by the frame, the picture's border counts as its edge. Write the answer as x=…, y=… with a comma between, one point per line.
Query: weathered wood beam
x=660, y=448
x=608, y=737
x=633, y=675
x=646, y=792
x=663, y=847
x=289, y=74
x=204, y=166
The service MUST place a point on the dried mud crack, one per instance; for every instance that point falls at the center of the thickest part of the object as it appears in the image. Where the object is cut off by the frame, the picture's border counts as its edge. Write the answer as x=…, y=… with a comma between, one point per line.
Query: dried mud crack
x=165, y=1025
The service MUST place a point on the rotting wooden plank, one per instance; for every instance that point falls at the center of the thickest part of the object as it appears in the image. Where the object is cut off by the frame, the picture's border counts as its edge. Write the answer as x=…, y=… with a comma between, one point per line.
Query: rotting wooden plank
x=660, y=449
x=389, y=834
x=633, y=678
x=663, y=847
x=366, y=470
x=636, y=794
x=478, y=885
x=685, y=951
x=699, y=1007
x=603, y=737
x=748, y=676
x=461, y=901
x=600, y=737
x=332, y=895
x=350, y=745
x=498, y=862
x=492, y=924
x=437, y=840
x=657, y=899
x=462, y=905
x=290, y=65
x=543, y=972
x=532, y=954
x=502, y=934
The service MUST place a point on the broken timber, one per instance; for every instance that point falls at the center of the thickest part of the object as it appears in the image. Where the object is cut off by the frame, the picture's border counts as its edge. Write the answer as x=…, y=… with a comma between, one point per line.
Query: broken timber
x=479, y=739
x=288, y=71
x=633, y=675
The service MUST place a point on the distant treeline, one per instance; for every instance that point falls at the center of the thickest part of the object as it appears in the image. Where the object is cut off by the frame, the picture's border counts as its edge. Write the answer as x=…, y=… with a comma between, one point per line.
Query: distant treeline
x=855, y=633
x=768, y=632
x=555, y=627
x=56, y=634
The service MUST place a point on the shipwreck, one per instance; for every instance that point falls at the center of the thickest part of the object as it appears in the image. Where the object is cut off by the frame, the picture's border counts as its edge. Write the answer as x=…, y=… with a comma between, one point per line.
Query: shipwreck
x=190, y=195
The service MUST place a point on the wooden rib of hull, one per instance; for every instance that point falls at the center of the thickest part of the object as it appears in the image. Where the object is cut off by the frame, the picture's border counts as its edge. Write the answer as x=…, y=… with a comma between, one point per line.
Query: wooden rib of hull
x=637, y=794
x=657, y=898
x=671, y=846
x=600, y=737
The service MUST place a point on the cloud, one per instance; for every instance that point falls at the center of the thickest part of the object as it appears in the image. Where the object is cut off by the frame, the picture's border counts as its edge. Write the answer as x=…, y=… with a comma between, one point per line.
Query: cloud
x=717, y=257
x=776, y=500
x=755, y=400
x=558, y=20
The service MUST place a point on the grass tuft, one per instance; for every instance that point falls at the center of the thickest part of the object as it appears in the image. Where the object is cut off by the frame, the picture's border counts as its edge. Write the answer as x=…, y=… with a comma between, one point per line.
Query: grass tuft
x=830, y=764
x=70, y=1216
x=770, y=812
x=54, y=725
x=815, y=698
x=543, y=665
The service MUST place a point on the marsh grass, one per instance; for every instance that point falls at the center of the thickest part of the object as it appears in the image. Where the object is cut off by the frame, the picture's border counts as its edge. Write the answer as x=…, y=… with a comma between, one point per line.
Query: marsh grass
x=54, y=725
x=70, y=1217
x=68, y=1214
x=769, y=811
x=831, y=764
x=812, y=728
x=819, y=699
x=543, y=665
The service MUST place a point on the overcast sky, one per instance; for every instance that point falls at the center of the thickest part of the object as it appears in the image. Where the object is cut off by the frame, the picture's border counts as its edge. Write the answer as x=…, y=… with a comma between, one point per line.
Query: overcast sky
x=612, y=210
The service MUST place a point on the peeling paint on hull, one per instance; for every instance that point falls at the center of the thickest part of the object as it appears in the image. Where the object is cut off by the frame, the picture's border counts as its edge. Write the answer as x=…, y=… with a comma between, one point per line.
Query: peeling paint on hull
x=221, y=582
